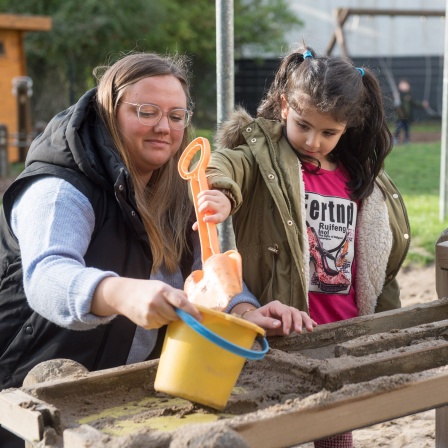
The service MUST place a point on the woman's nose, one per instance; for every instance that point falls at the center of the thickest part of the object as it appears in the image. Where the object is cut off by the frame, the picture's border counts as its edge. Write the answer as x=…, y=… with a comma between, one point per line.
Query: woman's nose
x=163, y=125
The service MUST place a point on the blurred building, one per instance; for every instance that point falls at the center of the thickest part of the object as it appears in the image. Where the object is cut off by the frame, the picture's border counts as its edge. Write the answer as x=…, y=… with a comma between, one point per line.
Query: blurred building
x=395, y=46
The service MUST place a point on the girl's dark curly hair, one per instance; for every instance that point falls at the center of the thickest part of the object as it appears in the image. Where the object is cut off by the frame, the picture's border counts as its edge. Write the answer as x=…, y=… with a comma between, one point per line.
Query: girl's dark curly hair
x=334, y=86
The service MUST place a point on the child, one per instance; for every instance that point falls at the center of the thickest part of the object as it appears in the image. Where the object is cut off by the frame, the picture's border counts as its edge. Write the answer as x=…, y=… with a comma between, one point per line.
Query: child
x=405, y=111
x=318, y=223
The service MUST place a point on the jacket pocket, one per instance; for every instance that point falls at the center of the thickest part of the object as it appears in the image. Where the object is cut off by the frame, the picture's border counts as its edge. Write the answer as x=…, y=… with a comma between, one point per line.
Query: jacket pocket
x=268, y=292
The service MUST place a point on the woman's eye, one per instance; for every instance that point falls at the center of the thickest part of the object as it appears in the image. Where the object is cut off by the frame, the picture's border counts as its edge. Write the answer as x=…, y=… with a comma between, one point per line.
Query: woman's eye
x=177, y=115
x=145, y=114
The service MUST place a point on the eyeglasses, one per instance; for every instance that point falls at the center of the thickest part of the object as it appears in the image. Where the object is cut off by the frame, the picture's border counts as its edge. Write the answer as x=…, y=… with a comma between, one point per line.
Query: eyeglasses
x=151, y=114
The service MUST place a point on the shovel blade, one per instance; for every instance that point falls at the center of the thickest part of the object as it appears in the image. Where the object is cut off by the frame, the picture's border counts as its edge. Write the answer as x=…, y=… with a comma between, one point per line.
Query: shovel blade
x=217, y=283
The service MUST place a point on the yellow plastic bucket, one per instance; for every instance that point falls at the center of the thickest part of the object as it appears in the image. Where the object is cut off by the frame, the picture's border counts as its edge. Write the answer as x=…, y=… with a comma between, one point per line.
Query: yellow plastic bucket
x=201, y=361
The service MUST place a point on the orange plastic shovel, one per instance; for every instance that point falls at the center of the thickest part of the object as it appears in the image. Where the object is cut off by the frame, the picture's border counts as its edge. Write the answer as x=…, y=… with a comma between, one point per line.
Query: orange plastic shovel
x=221, y=276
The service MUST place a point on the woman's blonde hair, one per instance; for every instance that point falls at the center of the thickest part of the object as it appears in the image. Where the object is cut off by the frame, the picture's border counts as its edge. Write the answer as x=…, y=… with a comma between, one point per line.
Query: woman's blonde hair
x=163, y=203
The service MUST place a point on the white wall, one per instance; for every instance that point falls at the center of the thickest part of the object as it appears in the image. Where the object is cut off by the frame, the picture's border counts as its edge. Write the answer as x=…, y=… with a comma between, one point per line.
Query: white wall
x=372, y=36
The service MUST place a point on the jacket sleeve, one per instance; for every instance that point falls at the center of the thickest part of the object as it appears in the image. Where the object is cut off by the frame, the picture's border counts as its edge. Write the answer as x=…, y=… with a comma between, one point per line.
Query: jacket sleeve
x=389, y=299
x=399, y=223
x=231, y=170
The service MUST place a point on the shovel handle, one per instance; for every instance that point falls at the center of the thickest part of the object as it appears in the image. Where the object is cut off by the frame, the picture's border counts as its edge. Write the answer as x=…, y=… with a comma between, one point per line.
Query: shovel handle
x=208, y=234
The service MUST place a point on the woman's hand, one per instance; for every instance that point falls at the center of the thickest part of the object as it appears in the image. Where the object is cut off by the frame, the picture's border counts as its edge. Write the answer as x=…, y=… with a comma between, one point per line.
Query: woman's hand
x=147, y=303
x=276, y=318
x=215, y=206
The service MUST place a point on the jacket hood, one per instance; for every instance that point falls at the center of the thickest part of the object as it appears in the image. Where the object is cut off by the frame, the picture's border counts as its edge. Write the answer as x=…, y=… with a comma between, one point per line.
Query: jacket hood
x=229, y=134
x=77, y=139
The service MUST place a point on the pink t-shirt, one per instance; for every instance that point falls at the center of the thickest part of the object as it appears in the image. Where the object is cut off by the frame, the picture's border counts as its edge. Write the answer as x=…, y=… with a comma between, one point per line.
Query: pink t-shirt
x=331, y=224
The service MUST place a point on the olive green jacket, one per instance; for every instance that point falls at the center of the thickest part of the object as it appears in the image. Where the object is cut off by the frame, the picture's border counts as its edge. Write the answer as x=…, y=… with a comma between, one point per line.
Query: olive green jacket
x=260, y=170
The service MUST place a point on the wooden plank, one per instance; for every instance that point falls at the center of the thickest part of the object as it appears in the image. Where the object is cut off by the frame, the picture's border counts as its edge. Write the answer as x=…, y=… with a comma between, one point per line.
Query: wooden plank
x=142, y=374
x=441, y=423
x=442, y=265
x=442, y=427
x=18, y=414
x=341, y=15
x=417, y=358
x=396, y=12
x=299, y=426
x=25, y=23
x=338, y=332
x=368, y=345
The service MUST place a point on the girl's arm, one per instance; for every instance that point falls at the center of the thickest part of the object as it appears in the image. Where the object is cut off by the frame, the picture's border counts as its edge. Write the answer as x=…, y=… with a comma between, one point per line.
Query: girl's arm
x=276, y=318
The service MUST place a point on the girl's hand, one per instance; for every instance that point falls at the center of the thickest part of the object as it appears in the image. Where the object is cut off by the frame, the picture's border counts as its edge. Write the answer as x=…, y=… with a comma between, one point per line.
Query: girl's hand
x=147, y=303
x=278, y=319
x=214, y=205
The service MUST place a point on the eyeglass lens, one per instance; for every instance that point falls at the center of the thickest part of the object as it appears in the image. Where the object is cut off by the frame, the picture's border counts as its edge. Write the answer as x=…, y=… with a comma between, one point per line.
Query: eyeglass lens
x=150, y=114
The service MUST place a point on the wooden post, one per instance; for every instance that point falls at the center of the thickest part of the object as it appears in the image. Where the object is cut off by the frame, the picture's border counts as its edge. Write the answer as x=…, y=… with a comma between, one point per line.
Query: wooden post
x=342, y=14
x=441, y=273
x=4, y=166
x=22, y=89
x=341, y=17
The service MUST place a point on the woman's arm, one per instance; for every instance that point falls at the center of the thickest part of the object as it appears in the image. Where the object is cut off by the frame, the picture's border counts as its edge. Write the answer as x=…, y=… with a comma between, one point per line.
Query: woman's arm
x=53, y=223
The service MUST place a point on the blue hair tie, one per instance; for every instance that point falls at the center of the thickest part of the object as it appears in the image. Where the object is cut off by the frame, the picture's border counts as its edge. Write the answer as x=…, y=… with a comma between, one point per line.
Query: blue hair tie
x=361, y=70
x=307, y=54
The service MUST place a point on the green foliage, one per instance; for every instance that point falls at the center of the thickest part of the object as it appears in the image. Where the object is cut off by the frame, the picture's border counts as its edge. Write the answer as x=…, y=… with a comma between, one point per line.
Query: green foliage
x=415, y=169
x=92, y=32
x=260, y=25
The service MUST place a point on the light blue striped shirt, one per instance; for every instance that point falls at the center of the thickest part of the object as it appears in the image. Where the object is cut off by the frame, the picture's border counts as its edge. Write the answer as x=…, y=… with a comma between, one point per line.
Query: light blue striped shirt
x=57, y=283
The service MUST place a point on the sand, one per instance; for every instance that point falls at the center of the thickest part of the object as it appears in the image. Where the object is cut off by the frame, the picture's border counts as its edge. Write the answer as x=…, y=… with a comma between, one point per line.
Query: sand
x=415, y=431
x=279, y=373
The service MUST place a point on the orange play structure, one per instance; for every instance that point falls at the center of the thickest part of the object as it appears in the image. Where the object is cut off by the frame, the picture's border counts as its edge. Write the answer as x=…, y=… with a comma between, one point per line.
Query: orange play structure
x=12, y=68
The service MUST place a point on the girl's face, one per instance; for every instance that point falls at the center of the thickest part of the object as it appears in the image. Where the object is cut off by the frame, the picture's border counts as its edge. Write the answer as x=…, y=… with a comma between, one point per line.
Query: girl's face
x=312, y=133
x=151, y=146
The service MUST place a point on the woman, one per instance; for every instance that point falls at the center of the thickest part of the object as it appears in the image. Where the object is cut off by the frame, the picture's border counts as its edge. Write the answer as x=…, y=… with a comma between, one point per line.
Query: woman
x=102, y=214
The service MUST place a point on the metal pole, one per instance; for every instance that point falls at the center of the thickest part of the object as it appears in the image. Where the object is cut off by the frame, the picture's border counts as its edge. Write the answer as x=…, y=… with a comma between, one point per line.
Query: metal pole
x=443, y=162
x=225, y=73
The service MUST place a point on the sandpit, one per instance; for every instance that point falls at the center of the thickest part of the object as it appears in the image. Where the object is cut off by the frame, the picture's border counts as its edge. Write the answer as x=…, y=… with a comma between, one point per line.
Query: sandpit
x=369, y=369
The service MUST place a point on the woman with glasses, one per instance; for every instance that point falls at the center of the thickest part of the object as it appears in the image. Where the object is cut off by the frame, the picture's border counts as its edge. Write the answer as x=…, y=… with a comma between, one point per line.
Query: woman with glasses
x=96, y=233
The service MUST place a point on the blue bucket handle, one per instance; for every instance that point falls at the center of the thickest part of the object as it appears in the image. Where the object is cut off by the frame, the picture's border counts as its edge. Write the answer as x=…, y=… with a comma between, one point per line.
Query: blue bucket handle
x=221, y=342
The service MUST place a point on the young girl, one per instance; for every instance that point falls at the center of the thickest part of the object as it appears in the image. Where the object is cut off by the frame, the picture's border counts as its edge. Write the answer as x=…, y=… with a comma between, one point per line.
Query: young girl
x=319, y=224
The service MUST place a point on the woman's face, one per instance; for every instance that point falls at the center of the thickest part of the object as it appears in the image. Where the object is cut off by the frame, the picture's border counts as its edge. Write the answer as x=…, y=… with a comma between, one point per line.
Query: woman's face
x=312, y=133
x=151, y=146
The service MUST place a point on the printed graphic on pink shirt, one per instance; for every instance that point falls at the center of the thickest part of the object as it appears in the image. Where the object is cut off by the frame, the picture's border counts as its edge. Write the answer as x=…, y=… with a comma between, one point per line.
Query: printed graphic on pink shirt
x=331, y=223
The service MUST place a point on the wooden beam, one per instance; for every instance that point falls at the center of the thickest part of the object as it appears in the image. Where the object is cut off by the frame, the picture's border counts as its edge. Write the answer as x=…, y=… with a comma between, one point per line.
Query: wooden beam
x=20, y=416
x=441, y=423
x=364, y=346
x=341, y=18
x=342, y=14
x=324, y=419
x=395, y=12
x=25, y=23
x=338, y=332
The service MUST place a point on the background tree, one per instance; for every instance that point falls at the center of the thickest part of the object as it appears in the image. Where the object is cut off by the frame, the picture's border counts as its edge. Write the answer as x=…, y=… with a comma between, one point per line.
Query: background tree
x=92, y=32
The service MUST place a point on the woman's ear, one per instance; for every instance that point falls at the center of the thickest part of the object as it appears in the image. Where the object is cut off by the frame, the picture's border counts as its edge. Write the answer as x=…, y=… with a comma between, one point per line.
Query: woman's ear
x=285, y=107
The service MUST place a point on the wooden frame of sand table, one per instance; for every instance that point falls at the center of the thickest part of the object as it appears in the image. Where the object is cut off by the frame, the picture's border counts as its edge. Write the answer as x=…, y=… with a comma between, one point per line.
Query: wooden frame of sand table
x=349, y=375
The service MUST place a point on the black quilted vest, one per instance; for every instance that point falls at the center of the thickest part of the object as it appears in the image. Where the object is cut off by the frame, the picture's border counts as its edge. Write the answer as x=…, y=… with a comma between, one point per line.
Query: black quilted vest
x=75, y=147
